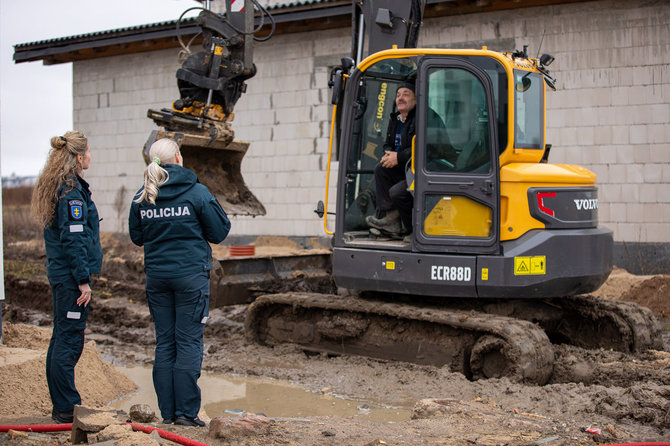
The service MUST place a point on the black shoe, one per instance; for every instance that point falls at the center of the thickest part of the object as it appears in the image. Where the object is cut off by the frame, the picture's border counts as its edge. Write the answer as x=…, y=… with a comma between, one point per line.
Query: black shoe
x=186, y=421
x=168, y=420
x=62, y=417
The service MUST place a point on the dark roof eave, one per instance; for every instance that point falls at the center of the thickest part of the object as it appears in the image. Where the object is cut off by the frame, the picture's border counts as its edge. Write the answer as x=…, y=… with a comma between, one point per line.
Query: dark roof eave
x=146, y=37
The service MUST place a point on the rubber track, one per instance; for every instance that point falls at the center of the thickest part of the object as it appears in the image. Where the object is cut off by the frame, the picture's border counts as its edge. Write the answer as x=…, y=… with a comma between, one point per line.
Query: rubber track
x=529, y=346
x=637, y=326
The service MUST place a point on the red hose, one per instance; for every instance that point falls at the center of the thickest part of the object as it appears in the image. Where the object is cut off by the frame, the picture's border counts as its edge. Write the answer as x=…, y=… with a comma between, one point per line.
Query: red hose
x=68, y=427
x=38, y=427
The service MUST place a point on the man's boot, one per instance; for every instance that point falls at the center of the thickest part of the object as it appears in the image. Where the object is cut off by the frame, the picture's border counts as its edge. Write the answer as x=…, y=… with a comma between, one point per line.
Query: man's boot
x=389, y=223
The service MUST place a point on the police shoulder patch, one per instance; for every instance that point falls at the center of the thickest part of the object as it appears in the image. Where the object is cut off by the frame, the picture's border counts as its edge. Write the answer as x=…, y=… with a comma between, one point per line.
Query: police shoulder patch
x=76, y=210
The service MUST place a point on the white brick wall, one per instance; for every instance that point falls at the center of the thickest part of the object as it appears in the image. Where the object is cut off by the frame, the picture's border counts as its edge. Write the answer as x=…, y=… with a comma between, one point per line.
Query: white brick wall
x=611, y=112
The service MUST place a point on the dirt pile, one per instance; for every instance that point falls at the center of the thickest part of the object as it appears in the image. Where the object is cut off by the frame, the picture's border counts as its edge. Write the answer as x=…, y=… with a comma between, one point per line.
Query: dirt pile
x=22, y=366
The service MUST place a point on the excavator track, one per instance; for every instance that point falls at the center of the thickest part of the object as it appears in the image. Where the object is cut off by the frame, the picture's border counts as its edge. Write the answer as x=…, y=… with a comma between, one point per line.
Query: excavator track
x=585, y=321
x=479, y=345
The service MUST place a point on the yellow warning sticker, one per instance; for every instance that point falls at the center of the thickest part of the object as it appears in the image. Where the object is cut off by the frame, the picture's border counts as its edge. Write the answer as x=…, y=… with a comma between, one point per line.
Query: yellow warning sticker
x=521, y=265
x=530, y=265
x=485, y=274
x=390, y=264
x=538, y=265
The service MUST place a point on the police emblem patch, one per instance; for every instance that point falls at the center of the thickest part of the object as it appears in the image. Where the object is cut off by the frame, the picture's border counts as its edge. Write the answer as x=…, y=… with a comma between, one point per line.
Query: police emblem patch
x=76, y=210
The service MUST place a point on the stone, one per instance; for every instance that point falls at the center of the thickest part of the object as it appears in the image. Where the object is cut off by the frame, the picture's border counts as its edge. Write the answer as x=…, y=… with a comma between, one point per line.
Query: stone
x=89, y=420
x=246, y=425
x=141, y=413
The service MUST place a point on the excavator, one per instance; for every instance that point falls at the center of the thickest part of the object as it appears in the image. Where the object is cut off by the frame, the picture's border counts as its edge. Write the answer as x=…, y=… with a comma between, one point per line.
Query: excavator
x=505, y=246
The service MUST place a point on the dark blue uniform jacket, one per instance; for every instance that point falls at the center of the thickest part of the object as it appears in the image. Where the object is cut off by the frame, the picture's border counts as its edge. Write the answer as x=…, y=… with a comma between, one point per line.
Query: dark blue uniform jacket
x=73, y=238
x=175, y=231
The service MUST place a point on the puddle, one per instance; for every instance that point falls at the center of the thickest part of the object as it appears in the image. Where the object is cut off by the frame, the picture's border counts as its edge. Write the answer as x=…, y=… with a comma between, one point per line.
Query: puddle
x=224, y=395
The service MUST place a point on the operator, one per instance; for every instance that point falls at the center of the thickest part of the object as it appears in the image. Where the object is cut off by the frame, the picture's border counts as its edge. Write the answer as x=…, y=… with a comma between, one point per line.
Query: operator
x=394, y=201
x=62, y=204
x=175, y=218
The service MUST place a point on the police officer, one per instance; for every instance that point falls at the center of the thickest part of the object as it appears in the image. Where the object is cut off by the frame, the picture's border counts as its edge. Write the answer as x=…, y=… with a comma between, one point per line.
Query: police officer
x=174, y=217
x=62, y=204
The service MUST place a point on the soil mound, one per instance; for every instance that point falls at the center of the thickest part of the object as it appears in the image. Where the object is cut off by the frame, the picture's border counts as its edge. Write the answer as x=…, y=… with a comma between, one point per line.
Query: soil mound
x=22, y=367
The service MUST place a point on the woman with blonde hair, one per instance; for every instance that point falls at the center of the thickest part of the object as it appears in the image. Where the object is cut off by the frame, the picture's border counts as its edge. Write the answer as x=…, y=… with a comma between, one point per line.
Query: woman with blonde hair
x=175, y=218
x=62, y=204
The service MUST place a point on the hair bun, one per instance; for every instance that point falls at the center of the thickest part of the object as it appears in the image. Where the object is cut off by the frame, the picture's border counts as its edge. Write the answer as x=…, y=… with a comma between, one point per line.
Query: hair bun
x=58, y=142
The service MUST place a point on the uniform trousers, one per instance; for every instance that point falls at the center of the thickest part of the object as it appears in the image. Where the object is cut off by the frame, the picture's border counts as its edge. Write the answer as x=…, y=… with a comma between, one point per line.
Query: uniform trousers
x=391, y=191
x=179, y=308
x=67, y=343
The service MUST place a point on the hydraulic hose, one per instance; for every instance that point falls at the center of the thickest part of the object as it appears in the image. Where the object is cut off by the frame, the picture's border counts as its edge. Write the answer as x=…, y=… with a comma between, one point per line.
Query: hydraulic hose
x=68, y=427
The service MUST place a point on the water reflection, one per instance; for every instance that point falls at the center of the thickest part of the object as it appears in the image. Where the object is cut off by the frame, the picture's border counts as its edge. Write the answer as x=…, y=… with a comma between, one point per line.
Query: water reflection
x=224, y=395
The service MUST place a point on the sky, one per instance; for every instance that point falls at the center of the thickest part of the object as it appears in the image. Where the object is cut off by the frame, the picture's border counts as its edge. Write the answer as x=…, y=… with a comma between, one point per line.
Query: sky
x=36, y=99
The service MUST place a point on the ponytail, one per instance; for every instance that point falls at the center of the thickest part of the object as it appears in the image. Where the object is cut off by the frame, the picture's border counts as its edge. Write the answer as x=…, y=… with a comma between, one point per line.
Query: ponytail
x=161, y=152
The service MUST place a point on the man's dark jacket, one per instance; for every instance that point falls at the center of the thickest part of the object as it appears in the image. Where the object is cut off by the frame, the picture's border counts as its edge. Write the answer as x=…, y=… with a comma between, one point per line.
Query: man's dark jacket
x=408, y=132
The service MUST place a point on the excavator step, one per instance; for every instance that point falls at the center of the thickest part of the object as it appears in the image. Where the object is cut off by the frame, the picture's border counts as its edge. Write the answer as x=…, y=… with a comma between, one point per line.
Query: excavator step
x=477, y=344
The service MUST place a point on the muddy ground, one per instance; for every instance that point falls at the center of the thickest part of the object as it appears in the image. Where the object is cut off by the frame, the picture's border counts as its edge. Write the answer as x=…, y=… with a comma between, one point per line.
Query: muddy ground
x=625, y=397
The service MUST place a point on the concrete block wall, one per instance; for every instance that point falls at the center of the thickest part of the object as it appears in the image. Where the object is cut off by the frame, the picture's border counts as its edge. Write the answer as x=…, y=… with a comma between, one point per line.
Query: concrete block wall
x=611, y=112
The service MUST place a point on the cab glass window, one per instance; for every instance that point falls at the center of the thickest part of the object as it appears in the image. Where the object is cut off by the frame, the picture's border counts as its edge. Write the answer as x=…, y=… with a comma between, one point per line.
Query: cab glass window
x=528, y=110
x=457, y=135
x=374, y=104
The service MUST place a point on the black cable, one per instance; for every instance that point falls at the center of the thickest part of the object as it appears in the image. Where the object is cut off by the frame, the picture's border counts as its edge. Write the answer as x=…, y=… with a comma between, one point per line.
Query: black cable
x=185, y=48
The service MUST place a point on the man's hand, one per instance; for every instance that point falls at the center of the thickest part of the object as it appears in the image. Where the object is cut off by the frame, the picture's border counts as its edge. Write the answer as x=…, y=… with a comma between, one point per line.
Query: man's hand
x=85, y=297
x=390, y=159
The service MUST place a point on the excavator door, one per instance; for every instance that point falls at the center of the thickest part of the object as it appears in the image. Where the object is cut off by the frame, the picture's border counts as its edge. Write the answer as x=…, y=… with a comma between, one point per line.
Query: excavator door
x=456, y=196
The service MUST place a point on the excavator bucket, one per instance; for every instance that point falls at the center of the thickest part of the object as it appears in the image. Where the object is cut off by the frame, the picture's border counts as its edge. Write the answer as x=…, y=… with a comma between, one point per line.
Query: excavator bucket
x=216, y=159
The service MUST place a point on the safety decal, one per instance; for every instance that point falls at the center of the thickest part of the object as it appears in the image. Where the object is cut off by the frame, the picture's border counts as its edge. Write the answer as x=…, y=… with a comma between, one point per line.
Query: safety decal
x=76, y=210
x=485, y=274
x=389, y=264
x=536, y=265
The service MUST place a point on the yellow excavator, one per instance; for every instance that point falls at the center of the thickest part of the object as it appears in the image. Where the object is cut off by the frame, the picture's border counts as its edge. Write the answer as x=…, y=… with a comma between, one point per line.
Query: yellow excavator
x=505, y=245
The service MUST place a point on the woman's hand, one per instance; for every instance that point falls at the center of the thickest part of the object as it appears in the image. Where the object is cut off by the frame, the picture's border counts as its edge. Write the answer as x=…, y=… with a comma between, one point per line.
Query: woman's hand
x=85, y=297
